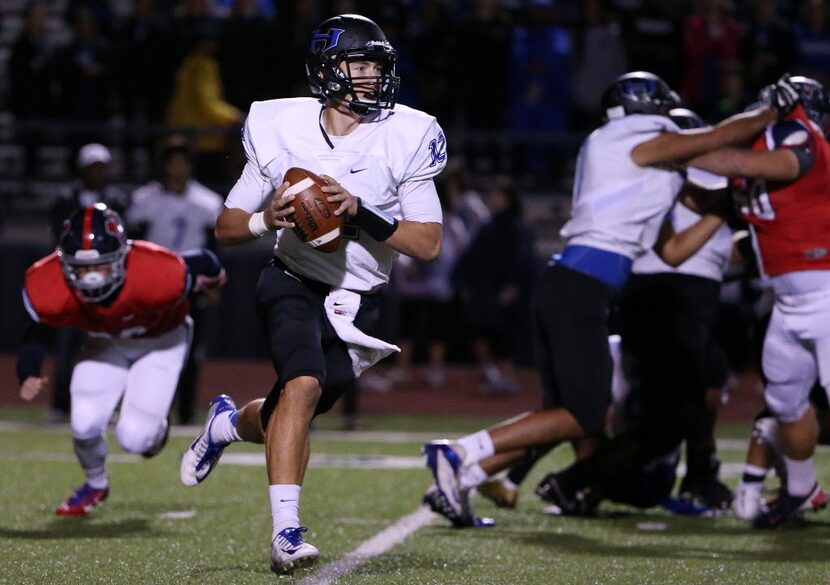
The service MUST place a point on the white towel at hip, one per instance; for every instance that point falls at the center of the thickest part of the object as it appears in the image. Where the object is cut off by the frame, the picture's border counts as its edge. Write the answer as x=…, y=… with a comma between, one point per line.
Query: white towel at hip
x=364, y=350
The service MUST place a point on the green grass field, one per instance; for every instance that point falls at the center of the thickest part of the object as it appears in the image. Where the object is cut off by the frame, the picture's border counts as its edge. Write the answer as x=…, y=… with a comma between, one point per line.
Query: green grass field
x=153, y=530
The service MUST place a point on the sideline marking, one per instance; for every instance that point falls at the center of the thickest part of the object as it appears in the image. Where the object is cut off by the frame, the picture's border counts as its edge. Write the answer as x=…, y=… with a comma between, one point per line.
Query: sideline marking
x=375, y=546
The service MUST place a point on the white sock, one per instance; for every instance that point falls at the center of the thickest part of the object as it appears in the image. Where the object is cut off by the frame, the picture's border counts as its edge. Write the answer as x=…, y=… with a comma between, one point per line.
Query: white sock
x=285, y=507
x=476, y=447
x=472, y=476
x=801, y=476
x=223, y=429
x=509, y=484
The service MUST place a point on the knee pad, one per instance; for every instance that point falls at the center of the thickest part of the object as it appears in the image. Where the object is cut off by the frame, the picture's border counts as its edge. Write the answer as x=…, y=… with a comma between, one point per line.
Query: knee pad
x=765, y=430
x=86, y=424
x=136, y=436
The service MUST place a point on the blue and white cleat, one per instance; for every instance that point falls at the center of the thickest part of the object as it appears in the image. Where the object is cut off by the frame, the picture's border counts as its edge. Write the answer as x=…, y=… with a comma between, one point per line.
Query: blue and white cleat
x=447, y=497
x=289, y=552
x=437, y=502
x=203, y=455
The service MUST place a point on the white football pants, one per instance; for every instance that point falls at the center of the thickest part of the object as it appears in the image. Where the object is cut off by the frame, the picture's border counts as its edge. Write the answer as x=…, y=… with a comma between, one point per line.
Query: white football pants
x=796, y=352
x=142, y=373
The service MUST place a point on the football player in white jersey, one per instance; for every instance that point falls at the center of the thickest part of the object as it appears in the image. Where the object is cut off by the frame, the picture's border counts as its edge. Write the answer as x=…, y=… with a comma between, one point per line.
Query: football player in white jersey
x=380, y=159
x=627, y=181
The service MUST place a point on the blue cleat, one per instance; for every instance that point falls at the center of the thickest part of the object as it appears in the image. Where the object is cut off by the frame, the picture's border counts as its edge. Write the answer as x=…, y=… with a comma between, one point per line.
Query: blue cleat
x=203, y=455
x=289, y=552
x=437, y=502
x=447, y=497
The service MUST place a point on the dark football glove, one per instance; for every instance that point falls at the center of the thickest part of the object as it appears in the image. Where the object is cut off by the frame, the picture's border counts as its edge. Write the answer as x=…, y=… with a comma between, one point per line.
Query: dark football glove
x=781, y=96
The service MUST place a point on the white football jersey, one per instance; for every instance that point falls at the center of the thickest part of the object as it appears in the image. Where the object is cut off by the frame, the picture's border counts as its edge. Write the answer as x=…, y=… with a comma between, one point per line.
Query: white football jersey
x=617, y=205
x=177, y=222
x=709, y=262
x=389, y=162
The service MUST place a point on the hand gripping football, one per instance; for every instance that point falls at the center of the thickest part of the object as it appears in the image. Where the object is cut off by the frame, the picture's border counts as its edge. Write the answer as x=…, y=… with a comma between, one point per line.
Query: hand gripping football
x=314, y=219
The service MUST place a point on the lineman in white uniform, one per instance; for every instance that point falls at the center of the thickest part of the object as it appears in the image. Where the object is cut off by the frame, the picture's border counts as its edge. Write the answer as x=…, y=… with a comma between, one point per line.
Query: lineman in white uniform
x=367, y=147
x=624, y=187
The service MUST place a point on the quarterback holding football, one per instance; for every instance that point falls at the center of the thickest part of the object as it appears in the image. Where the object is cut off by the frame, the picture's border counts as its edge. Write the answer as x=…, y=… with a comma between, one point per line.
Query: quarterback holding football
x=319, y=309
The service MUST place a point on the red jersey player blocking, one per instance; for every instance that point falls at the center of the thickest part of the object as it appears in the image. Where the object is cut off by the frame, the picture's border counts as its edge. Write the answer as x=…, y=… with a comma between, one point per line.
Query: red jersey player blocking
x=784, y=198
x=132, y=300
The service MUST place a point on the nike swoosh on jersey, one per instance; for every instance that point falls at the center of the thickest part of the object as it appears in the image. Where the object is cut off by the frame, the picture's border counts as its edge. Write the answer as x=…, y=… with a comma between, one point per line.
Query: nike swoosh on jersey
x=353, y=171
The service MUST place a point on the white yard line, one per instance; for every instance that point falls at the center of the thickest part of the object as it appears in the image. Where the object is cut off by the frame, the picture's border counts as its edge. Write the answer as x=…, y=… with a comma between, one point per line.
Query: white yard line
x=369, y=549
x=388, y=437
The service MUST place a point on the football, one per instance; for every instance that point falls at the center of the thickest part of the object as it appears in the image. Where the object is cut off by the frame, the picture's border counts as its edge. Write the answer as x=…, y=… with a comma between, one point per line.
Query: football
x=314, y=220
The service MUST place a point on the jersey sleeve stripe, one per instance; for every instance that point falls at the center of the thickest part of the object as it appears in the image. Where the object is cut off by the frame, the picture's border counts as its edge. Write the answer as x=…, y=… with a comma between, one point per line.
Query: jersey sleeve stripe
x=27, y=303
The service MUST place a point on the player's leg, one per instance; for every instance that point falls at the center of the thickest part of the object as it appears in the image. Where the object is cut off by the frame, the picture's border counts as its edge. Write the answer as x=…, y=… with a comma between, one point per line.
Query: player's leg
x=791, y=368
x=503, y=489
x=763, y=443
x=576, y=367
x=294, y=318
x=98, y=381
x=575, y=362
x=151, y=386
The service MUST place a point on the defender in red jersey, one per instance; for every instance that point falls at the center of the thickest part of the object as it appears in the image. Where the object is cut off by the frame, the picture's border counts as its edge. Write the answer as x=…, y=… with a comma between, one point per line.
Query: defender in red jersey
x=132, y=300
x=785, y=197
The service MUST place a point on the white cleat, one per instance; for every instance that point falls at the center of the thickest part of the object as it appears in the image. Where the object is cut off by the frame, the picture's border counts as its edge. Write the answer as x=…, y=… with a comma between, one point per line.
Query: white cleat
x=203, y=455
x=289, y=552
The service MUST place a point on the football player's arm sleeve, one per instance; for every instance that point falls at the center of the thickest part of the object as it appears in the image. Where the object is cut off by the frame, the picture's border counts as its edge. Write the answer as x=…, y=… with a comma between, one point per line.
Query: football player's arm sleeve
x=253, y=187
x=205, y=269
x=246, y=197
x=36, y=342
x=429, y=157
x=419, y=234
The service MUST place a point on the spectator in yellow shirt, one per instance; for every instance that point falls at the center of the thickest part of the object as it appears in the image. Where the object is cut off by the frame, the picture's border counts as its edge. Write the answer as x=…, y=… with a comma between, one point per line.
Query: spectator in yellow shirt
x=198, y=101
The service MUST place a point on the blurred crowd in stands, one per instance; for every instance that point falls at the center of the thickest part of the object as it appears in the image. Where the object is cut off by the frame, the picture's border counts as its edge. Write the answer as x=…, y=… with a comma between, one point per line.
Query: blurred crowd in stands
x=532, y=69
